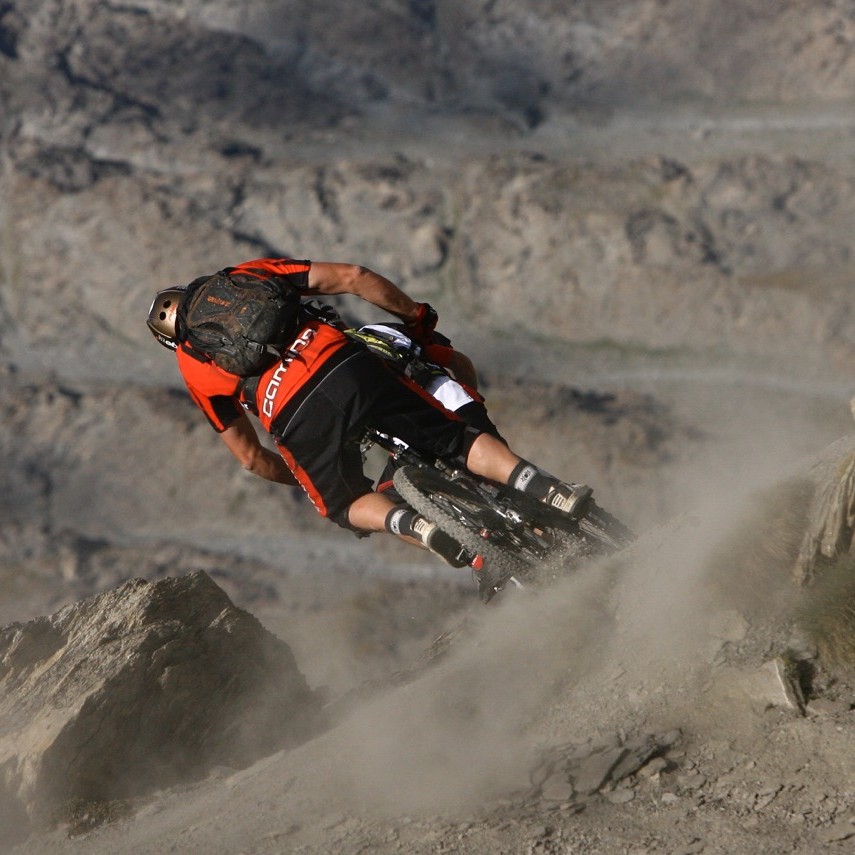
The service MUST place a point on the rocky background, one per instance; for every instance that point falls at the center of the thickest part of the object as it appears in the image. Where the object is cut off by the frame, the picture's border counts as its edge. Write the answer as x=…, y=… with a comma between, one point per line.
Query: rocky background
x=635, y=216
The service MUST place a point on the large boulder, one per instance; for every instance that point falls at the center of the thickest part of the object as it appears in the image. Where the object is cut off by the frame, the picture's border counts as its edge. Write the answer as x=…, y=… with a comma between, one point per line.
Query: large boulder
x=141, y=687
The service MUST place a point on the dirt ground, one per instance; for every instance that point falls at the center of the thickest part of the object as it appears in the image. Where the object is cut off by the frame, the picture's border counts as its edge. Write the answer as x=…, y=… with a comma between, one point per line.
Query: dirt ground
x=644, y=705
x=633, y=708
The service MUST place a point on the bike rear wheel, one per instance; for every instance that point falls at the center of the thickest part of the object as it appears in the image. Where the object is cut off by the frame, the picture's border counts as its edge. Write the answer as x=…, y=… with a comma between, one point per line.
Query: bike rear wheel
x=510, y=529
x=475, y=519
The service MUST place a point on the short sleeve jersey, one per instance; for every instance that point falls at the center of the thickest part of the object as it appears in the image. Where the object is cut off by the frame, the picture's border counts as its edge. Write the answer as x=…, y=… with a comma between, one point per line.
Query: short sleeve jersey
x=219, y=394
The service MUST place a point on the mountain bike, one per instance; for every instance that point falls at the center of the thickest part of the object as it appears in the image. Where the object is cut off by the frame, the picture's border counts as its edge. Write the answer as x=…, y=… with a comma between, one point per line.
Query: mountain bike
x=519, y=538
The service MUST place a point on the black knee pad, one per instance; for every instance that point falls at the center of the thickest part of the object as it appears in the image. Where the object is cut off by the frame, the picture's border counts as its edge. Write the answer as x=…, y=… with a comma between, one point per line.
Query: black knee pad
x=340, y=519
x=470, y=434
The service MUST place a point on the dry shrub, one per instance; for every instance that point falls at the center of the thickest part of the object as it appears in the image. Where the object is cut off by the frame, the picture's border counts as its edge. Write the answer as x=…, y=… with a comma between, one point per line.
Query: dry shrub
x=82, y=816
x=827, y=614
x=752, y=569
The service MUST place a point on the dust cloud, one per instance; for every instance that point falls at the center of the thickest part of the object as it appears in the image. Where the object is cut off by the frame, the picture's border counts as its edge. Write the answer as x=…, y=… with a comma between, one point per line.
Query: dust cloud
x=14, y=823
x=453, y=737
x=621, y=644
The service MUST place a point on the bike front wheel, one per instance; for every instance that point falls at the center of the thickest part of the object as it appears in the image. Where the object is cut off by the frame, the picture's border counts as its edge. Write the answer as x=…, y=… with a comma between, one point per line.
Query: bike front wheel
x=478, y=521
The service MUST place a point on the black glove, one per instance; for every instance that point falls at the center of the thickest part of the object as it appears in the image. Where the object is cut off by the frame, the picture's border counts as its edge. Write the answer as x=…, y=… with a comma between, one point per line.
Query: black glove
x=421, y=328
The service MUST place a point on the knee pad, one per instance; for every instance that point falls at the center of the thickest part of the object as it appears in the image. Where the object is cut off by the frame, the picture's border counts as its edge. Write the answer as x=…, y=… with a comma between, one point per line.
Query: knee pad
x=470, y=434
x=340, y=519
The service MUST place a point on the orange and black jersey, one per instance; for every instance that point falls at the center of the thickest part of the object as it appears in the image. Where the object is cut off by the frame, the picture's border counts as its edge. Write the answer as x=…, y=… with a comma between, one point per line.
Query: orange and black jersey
x=325, y=390
x=221, y=396
x=295, y=272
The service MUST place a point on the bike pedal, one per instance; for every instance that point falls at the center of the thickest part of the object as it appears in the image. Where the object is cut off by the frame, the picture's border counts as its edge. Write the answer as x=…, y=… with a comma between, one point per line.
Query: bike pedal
x=488, y=584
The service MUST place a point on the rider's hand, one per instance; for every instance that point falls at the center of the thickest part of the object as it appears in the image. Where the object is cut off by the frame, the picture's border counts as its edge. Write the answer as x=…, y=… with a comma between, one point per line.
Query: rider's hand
x=421, y=328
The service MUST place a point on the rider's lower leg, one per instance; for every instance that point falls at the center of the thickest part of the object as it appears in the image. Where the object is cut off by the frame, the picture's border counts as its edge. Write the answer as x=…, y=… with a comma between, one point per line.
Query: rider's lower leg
x=403, y=521
x=374, y=512
x=572, y=499
x=491, y=458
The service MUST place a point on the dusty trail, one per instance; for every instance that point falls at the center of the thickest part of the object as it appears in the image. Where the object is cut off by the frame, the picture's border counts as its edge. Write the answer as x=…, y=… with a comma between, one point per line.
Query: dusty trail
x=671, y=637
x=637, y=648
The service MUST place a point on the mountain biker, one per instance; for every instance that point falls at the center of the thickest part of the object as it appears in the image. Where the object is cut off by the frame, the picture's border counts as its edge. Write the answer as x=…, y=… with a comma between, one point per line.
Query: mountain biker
x=325, y=390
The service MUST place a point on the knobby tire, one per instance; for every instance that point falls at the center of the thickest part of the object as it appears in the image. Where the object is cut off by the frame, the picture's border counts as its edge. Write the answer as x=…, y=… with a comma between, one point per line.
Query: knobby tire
x=458, y=509
x=467, y=513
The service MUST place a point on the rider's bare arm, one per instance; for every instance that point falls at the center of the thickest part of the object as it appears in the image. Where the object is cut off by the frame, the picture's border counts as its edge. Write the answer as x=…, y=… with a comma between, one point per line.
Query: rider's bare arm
x=334, y=278
x=242, y=440
x=463, y=370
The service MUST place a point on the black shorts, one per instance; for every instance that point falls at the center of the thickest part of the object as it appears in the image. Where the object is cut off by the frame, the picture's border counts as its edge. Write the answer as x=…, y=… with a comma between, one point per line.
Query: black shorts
x=319, y=437
x=477, y=420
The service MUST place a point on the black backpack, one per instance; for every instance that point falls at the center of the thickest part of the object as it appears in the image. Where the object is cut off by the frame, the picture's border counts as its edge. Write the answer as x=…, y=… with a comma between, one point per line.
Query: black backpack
x=241, y=322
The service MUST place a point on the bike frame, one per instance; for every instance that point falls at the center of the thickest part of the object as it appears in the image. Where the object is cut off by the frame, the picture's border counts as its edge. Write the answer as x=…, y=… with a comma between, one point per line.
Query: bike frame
x=404, y=454
x=401, y=452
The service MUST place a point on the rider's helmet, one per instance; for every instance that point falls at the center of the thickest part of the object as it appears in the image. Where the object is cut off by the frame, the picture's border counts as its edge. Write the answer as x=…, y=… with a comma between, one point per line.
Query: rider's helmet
x=162, y=316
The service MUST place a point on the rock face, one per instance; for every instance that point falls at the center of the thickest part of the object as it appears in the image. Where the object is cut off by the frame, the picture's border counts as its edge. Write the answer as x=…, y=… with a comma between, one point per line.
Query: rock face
x=572, y=773
x=143, y=143
x=140, y=687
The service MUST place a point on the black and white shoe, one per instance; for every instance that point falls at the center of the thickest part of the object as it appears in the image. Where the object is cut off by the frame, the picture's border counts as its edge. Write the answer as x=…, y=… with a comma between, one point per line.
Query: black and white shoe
x=443, y=545
x=571, y=499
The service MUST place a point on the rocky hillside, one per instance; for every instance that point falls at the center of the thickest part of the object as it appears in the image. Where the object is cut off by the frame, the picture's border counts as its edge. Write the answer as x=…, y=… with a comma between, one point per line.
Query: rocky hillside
x=617, y=200
x=147, y=142
x=680, y=697
x=635, y=216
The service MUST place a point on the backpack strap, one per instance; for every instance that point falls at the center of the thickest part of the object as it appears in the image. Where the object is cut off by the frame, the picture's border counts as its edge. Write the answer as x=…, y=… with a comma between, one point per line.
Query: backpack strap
x=183, y=306
x=312, y=310
x=247, y=390
x=199, y=357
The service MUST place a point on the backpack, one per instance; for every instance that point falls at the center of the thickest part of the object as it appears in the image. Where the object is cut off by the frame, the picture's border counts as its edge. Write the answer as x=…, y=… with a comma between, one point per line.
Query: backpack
x=241, y=322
